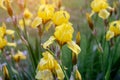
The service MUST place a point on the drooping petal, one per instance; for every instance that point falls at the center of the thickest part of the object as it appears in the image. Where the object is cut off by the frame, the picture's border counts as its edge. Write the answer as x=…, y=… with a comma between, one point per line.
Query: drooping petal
x=9, y=32
x=59, y=72
x=109, y=35
x=74, y=47
x=44, y=75
x=104, y=14
x=37, y=21
x=48, y=42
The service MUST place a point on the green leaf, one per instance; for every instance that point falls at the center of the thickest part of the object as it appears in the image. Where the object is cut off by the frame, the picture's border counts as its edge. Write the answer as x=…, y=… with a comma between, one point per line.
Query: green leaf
x=67, y=59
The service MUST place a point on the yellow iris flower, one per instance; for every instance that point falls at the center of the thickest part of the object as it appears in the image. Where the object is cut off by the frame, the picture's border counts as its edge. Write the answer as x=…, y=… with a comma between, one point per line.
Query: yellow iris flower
x=61, y=17
x=3, y=33
x=27, y=15
x=63, y=35
x=19, y=56
x=100, y=7
x=46, y=12
x=114, y=30
x=48, y=66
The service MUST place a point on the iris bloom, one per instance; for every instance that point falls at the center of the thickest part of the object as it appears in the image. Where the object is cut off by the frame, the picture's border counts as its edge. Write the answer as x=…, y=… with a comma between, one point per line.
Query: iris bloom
x=27, y=15
x=3, y=32
x=61, y=17
x=100, y=7
x=47, y=67
x=114, y=30
x=46, y=12
x=19, y=56
x=63, y=35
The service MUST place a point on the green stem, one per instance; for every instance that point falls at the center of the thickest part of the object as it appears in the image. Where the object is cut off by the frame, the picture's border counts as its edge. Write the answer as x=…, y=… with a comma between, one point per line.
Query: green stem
x=26, y=43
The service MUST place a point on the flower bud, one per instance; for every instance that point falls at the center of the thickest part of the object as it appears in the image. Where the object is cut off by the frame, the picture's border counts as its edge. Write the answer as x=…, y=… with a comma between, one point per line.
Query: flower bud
x=78, y=37
x=5, y=72
x=9, y=8
x=90, y=22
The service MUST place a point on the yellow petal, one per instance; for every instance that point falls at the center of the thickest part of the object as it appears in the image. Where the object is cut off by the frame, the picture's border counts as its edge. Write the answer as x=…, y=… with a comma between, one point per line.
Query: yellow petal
x=48, y=42
x=2, y=4
x=47, y=62
x=59, y=72
x=11, y=44
x=104, y=14
x=98, y=5
x=3, y=43
x=44, y=75
x=61, y=17
x=115, y=27
x=10, y=32
x=74, y=47
x=77, y=75
x=2, y=30
x=109, y=35
x=91, y=14
x=64, y=33
x=21, y=23
x=27, y=14
x=37, y=21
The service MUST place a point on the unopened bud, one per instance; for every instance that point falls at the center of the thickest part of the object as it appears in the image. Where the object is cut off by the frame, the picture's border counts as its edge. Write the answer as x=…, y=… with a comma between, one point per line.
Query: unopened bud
x=90, y=22
x=9, y=8
x=74, y=58
x=5, y=72
x=78, y=37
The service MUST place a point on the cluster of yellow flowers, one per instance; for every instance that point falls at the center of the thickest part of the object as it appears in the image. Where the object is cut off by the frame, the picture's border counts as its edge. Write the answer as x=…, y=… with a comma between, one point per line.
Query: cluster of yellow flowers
x=63, y=31
x=3, y=33
x=100, y=7
x=63, y=35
